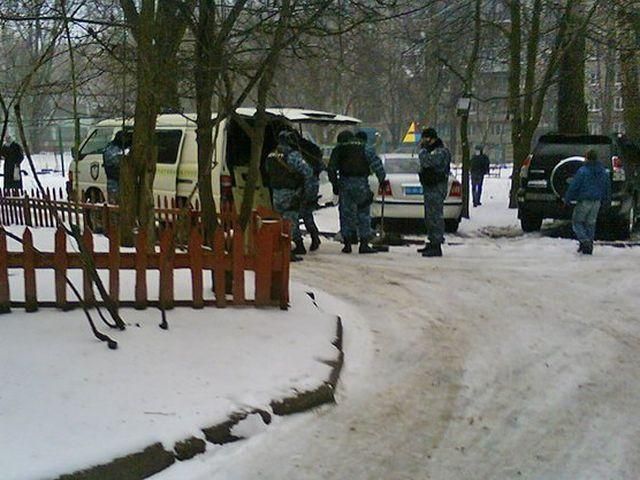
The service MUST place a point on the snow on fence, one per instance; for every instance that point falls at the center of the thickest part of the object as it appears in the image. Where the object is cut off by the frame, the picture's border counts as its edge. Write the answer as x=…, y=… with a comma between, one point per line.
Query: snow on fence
x=264, y=249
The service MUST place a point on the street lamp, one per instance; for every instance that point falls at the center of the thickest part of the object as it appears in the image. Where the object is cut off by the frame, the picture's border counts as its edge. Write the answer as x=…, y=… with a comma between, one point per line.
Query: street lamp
x=463, y=106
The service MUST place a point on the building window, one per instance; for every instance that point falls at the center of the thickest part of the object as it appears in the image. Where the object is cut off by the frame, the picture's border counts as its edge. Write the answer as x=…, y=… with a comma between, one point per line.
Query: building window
x=496, y=129
x=594, y=79
x=618, y=78
x=594, y=104
x=618, y=127
x=594, y=129
x=617, y=103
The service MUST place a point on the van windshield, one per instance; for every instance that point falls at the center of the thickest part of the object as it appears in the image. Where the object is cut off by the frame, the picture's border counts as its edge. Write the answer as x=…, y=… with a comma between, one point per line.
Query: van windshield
x=96, y=141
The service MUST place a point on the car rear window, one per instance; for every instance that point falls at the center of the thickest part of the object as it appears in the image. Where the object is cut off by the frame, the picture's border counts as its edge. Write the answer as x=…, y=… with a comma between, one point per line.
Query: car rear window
x=402, y=165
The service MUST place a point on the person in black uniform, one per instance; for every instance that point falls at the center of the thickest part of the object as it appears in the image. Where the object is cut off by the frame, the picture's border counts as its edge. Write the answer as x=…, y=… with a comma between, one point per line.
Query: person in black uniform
x=12, y=154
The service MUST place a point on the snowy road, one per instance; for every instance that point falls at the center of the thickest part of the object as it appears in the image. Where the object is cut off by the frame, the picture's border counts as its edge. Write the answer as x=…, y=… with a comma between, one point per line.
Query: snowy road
x=510, y=357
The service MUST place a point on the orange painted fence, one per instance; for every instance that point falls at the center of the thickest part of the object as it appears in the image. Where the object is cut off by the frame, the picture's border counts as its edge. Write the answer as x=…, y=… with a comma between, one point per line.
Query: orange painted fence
x=264, y=249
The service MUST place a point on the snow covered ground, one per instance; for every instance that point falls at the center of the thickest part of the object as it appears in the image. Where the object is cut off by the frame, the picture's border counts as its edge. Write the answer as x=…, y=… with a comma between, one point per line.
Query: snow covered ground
x=510, y=357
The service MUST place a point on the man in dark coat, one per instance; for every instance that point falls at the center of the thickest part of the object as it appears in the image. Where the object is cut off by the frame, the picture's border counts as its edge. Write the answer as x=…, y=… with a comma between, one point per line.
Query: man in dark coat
x=290, y=179
x=349, y=168
x=479, y=168
x=12, y=154
x=435, y=165
x=112, y=155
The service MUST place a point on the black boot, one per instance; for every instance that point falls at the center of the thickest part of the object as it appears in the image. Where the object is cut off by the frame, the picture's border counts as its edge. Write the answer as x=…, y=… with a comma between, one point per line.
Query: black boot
x=587, y=248
x=315, y=242
x=366, y=248
x=432, y=250
x=425, y=248
x=347, y=247
x=299, y=250
x=295, y=258
x=580, y=247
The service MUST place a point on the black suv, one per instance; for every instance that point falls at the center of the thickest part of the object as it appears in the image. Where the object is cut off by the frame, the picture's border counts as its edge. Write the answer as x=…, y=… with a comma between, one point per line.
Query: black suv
x=546, y=173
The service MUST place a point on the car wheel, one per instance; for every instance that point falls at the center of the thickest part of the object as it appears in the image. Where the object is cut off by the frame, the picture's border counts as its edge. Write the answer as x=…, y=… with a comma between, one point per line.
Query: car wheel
x=530, y=223
x=93, y=216
x=451, y=224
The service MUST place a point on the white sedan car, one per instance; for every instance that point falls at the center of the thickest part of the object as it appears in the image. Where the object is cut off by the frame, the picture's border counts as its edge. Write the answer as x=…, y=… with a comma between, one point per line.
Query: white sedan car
x=403, y=201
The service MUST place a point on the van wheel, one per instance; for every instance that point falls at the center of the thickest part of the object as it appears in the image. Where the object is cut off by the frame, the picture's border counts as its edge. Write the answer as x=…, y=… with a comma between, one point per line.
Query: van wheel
x=530, y=223
x=93, y=216
x=451, y=224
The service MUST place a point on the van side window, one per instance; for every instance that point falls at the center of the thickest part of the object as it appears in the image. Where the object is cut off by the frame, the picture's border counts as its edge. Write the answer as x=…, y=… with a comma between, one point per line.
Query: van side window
x=168, y=143
x=238, y=146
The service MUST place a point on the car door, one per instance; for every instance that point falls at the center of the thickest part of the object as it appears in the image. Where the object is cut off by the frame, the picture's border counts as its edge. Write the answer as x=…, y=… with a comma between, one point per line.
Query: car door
x=87, y=169
x=168, y=143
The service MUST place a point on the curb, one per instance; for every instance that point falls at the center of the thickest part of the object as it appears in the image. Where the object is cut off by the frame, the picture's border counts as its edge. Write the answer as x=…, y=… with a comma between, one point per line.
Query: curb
x=155, y=458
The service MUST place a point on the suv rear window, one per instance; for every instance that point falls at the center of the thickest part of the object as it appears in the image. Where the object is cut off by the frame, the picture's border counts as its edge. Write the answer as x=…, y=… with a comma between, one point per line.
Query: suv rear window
x=560, y=151
x=554, y=148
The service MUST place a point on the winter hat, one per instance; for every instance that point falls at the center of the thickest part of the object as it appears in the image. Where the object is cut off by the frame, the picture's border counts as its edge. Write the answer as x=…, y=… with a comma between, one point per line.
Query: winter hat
x=591, y=156
x=429, y=133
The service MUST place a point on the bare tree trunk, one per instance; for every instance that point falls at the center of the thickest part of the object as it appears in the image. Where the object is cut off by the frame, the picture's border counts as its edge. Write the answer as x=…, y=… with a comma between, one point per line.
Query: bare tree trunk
x=526, y=104
x=464, y=123
x=204, y=83
x=257, y=132
x=158, y=29
x=572, y=107
x=608, y=83
x=133, y=175
x=515, y=110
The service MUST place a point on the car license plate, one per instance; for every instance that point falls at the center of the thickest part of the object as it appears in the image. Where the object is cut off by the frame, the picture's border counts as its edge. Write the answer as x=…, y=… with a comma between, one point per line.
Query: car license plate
x=413, y=190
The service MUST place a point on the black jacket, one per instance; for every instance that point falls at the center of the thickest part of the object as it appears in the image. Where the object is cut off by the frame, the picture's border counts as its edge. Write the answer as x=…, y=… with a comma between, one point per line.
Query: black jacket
x=13, y=156
x=479, y=164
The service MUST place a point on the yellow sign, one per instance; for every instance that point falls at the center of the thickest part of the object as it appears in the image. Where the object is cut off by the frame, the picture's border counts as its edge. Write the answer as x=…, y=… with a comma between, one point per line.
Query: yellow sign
x=412, y=135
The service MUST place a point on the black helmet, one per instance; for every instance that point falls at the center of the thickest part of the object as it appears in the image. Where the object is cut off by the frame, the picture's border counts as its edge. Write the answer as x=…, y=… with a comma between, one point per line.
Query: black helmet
x=429, y=133
x=362, y=136
x=345, y=136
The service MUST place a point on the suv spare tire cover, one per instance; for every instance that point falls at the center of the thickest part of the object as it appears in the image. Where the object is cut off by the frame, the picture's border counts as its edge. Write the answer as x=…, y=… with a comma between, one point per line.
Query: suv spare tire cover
x=562, y=174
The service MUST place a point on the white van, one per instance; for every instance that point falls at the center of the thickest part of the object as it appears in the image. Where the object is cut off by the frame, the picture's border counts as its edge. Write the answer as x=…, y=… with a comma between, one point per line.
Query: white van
x=177, y=160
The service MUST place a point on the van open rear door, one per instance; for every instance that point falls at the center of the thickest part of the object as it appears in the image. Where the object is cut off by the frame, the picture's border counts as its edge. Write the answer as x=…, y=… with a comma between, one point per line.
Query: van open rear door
x=239, y=147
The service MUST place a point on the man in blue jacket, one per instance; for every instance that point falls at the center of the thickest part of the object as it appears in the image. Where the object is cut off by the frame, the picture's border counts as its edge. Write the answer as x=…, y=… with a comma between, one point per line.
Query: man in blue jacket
x=590, y=188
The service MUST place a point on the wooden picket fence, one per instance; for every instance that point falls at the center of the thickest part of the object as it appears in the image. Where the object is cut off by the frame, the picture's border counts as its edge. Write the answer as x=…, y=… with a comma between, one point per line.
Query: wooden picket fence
x=264, y=248
x=34, y=208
